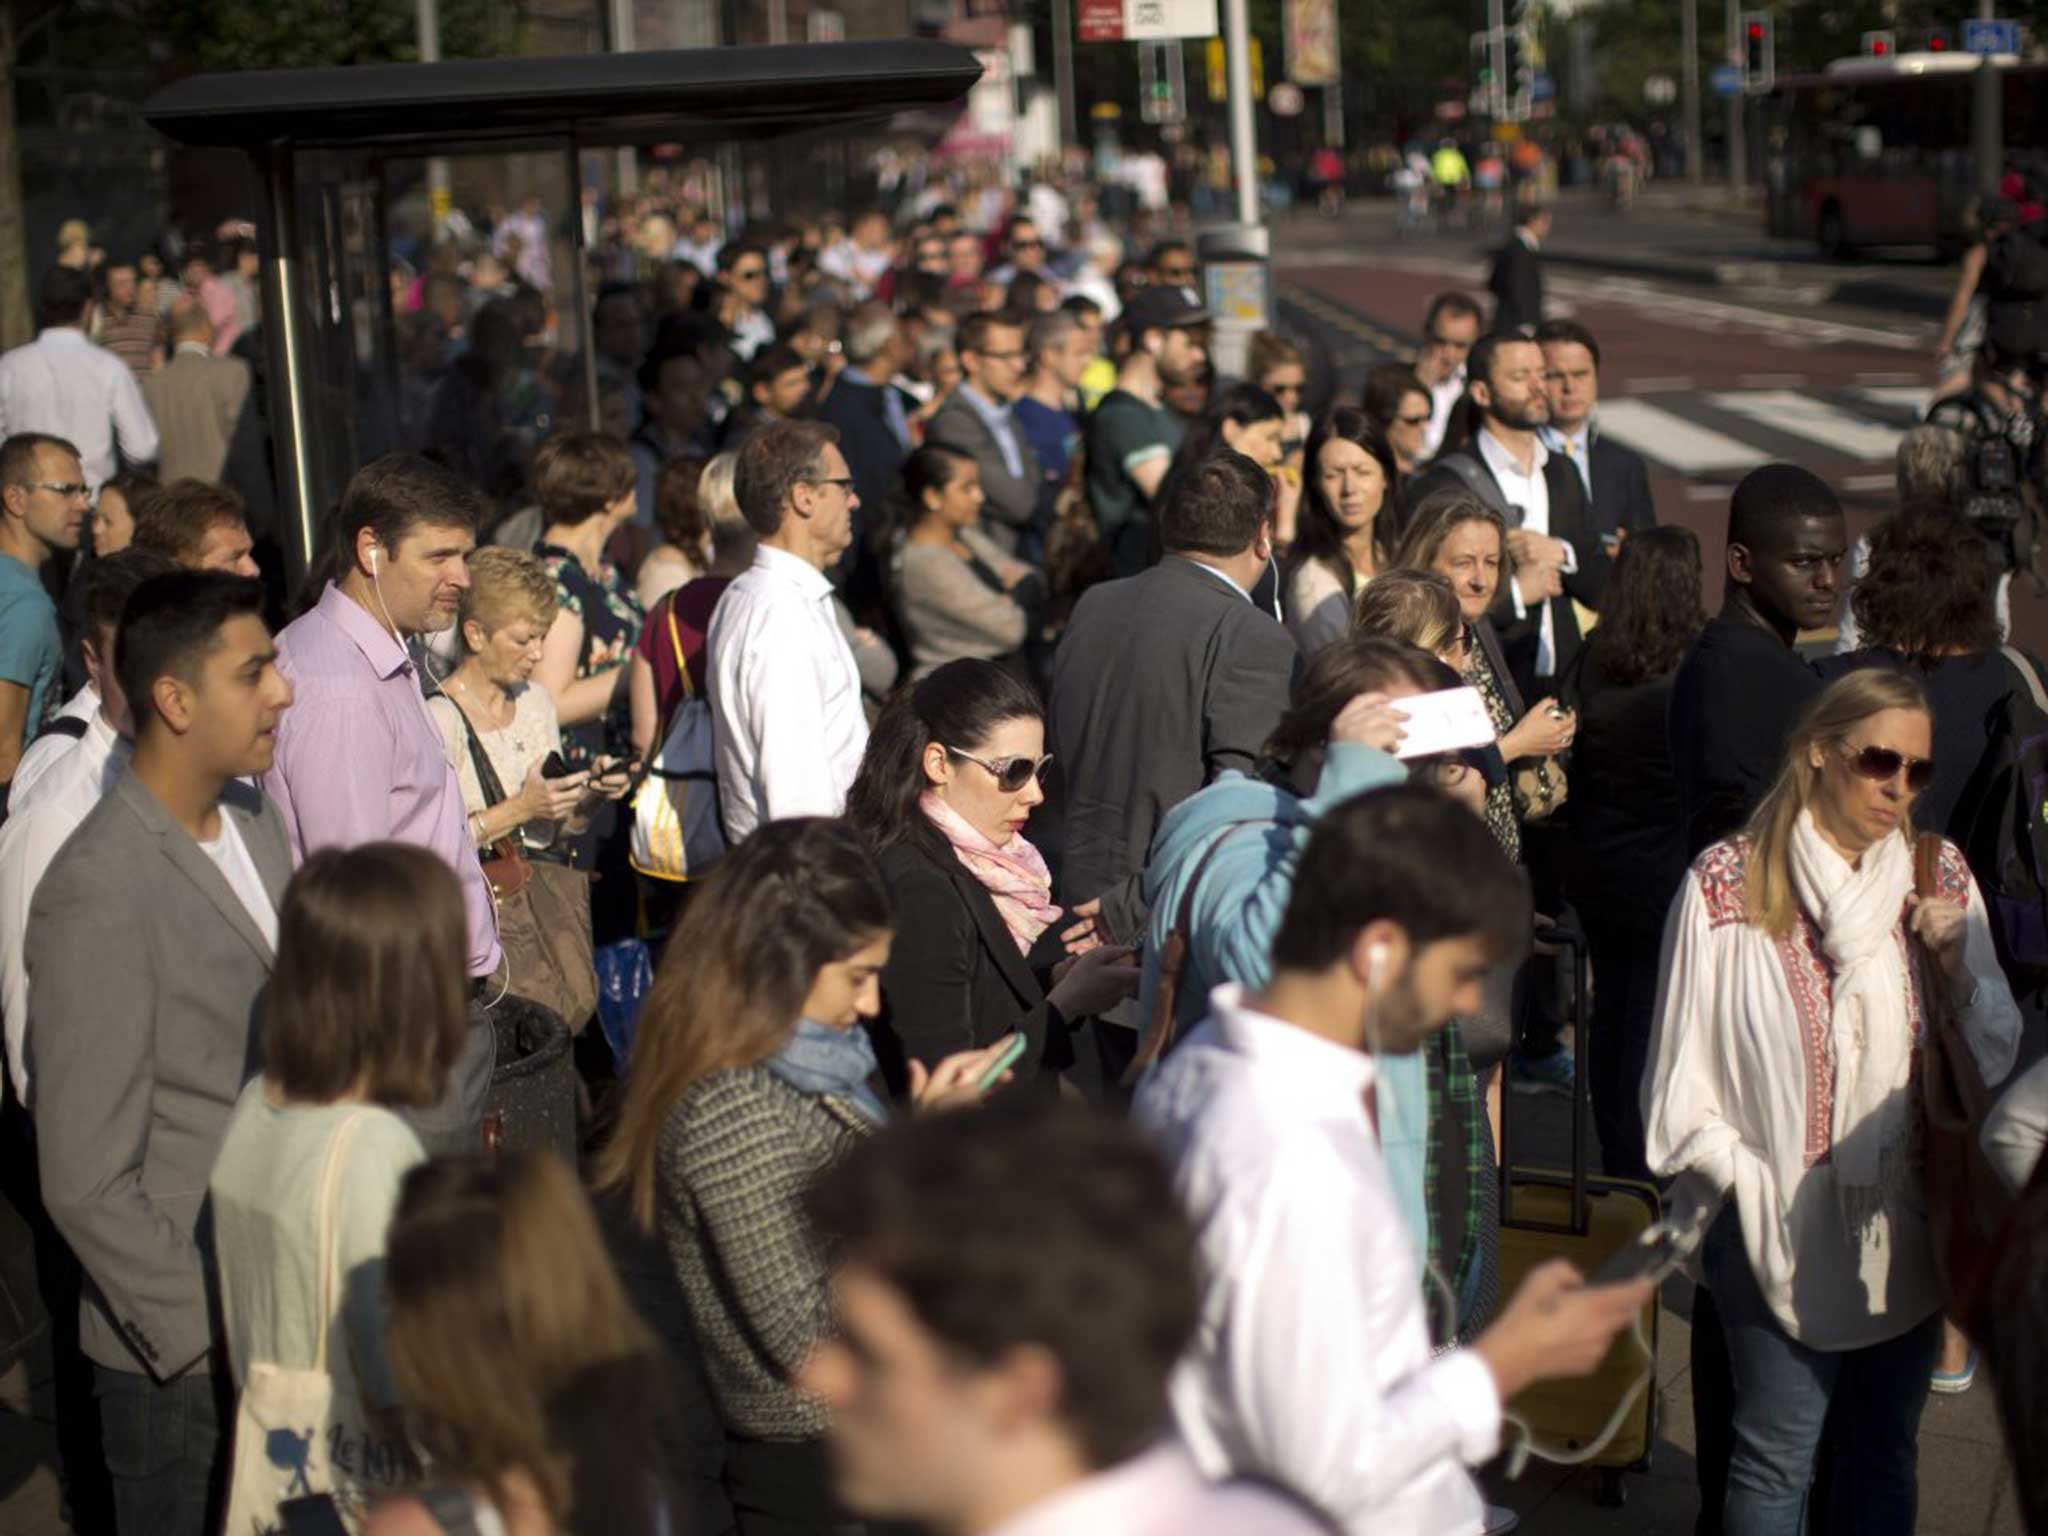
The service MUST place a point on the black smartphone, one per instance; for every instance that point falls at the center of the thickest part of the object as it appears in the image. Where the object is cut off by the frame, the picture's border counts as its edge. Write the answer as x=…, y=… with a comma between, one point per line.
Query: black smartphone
x=314, y=1516
x=555, y=766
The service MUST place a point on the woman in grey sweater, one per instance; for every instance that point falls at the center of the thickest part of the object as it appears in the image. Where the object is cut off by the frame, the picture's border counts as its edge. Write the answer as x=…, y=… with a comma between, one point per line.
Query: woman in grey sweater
x=752, y=1071
x=957, y=593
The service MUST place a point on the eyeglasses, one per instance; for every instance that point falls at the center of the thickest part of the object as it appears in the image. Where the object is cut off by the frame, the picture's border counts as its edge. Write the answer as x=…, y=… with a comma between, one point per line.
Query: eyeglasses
x=844, y=482
x=1027, y=245
x=1287, y=389
x=1003, y=357
x=68, y=492
x=1011, y=773
x=1176, y=274
x=748, y=274
x=1882, y=765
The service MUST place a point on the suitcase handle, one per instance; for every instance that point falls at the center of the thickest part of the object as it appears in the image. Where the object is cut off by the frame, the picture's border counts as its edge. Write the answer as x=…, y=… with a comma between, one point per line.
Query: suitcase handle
x=1572, y=942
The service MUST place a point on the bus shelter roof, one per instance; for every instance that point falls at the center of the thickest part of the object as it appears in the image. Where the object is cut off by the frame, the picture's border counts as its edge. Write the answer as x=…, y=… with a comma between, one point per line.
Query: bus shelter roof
x=598, y=99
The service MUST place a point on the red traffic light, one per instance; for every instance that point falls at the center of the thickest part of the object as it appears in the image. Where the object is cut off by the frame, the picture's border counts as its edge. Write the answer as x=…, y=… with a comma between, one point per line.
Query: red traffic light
x=1880, y=46
x=1937, y=44
x=1756, y=31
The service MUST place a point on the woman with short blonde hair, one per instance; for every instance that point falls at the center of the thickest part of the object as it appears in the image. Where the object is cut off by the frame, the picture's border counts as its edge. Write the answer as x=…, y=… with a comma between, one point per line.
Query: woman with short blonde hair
x=1800, y=971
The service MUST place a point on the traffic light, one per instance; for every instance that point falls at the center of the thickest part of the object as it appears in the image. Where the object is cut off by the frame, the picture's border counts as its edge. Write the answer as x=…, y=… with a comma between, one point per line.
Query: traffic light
x=1518, y=61
x=1879, y=45
x=1937, y=41
x=1162, y=83
x=1759, y=51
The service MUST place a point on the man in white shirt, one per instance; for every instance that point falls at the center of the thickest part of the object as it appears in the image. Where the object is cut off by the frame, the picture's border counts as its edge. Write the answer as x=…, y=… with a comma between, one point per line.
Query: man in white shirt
x=62, y=777
x=1312, y=1364
x=784, y=689
x=63, y=385
x=1448, y=333
x=1012, y=1290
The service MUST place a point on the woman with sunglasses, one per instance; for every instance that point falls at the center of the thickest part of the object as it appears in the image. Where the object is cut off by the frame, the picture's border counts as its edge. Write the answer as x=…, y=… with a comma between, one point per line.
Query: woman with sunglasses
x=949, y=782
x=1276, y=365
x=1799, y=969
x=1399, y=404
x=1351, y=513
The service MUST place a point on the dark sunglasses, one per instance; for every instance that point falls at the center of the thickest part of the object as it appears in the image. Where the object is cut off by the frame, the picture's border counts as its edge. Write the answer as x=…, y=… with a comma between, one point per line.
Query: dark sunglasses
x=1413, y=421
x=1882, y=765
x=1286, y=389
x=749, y=274
x=1011, y=773
x=1027, y=245
x=1176, y=274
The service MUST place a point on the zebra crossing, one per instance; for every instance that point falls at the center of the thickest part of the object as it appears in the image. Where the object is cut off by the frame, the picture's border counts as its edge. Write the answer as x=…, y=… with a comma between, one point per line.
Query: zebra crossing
x=1722, y=434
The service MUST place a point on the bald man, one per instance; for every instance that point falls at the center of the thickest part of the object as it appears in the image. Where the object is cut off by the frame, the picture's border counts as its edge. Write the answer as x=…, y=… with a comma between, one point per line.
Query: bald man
x=196, y=398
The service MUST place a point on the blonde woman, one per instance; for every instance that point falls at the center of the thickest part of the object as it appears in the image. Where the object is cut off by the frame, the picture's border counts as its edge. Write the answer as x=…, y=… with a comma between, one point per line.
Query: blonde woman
x=531, y=1384
x=1799, y=965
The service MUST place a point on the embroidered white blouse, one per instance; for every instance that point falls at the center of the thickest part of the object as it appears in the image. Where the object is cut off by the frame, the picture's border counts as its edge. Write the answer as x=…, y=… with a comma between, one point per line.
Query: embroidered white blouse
x=1740, y=1089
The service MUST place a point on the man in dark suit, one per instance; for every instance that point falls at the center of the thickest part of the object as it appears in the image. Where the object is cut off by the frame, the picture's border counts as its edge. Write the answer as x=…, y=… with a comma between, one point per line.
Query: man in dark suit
x=150, y=941
x=1557, y=555
x=1162, y=681
x=1616, y=479
x=1517, y=280
x=874, y=434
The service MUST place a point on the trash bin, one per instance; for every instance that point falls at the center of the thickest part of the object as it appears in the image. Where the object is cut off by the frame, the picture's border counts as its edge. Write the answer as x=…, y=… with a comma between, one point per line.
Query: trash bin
x=531, y=1103
x=1237, y=281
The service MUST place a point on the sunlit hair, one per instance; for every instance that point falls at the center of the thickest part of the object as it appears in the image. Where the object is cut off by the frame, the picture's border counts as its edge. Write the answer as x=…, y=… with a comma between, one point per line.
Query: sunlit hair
x=501, y=1293
x=1417, y=608
x=794, y=897
x=1340, y=672
x=1828, y=720
x=505, y=586
x=1434, y=520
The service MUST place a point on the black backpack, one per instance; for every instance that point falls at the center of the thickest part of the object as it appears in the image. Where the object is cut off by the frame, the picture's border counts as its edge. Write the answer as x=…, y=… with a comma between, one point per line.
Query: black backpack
x=2003, y=819
x=2015, y=284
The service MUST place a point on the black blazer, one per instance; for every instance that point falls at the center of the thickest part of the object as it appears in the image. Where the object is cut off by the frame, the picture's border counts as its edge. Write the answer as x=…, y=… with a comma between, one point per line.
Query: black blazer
x=955, y=980
x=1516, y=285
x=1571, y=519
x=1621, y=489
x=1162, y=680
x=873, y=456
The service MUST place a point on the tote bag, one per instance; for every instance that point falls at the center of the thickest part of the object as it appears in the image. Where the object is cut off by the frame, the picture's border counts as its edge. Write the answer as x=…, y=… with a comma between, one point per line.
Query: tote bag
x=303, y=1431
x=677, y=834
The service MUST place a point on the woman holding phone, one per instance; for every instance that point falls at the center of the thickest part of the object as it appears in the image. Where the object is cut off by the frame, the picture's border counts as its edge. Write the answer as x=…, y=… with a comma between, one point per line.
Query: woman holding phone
x=752, y=1071
x=945, y=791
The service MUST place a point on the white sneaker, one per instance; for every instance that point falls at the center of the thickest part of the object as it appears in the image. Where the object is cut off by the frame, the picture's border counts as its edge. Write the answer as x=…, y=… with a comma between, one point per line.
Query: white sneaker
x=1499, y=1520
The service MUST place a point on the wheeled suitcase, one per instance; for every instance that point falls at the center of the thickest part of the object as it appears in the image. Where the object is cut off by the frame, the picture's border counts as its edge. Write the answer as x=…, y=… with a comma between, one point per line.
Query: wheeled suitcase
x=1547, y=1214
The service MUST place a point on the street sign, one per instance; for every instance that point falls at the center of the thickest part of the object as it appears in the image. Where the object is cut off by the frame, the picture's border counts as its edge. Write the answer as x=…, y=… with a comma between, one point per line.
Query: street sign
x=1286, y=99
x=1309, y=30
x=1136, y=21
x=1726, y=80
x=1991, y=37
x=1542, y=88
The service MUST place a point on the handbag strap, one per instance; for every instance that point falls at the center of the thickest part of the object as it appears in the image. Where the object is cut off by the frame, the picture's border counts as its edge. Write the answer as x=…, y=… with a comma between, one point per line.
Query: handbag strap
x=486, y=773
x=327, y=1222
x=675, y=641
x=2019, y=663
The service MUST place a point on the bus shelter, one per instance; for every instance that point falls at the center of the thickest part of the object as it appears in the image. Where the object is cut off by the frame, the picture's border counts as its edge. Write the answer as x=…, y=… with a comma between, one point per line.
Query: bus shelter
x=351, y=161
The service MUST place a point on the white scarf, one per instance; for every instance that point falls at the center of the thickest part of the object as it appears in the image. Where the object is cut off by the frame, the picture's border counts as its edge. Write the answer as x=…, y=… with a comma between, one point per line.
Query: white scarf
x=1858, y=912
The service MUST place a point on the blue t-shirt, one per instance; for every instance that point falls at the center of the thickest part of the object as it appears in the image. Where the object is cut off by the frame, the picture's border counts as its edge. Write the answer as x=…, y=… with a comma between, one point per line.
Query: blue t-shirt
x=1053, y=435
x=31, y=652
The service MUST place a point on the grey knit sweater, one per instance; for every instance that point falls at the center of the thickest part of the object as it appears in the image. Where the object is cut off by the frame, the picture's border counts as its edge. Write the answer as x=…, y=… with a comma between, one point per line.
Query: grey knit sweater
x=736, y=1153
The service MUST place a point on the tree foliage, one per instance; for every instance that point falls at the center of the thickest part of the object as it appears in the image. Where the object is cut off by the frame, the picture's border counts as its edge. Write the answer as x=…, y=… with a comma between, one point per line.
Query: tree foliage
x=209, y=35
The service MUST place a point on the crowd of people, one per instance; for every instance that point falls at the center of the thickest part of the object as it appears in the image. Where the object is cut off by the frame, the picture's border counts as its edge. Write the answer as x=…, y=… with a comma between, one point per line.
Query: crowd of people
x=1068, y=1097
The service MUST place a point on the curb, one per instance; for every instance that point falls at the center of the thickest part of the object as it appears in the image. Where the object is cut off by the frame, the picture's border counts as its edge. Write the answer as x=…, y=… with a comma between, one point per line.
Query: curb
x=1873, y=292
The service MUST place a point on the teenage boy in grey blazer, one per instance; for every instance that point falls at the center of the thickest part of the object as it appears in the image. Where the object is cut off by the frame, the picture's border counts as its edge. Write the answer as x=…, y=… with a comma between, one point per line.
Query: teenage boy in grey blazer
x=150, y=941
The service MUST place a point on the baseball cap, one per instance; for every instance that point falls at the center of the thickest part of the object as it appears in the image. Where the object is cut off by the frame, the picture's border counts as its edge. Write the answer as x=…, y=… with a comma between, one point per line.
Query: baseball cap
x=1162, y=307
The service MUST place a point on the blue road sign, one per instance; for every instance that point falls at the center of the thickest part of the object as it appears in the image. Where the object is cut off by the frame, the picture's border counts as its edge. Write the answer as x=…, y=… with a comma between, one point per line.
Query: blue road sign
x=1991, y=37
x=1543, y=88
x=1726, y=80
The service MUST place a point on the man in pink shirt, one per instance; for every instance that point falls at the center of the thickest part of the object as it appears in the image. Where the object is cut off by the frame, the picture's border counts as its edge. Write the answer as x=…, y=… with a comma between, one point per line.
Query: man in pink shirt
x=359, y=759
x=214, y=294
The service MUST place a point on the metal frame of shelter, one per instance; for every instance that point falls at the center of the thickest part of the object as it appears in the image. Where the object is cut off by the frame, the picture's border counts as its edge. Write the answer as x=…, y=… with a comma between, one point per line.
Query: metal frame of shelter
x=319, y=140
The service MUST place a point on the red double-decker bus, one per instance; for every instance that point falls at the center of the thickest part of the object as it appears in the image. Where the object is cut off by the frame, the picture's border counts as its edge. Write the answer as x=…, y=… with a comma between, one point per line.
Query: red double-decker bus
x=1876, y=151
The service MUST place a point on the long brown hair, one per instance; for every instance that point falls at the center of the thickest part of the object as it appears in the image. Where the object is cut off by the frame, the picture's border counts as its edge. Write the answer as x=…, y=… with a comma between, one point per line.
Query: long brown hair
x=778, y=909
x=1432, y=522
x=1415, y=607
x=501, y=1293
x=1340, y=672
x=1844, y=705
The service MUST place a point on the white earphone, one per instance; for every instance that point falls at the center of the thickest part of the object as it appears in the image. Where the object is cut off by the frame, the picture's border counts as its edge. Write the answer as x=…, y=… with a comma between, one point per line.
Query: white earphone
x=1375, y=962
x=373, y=559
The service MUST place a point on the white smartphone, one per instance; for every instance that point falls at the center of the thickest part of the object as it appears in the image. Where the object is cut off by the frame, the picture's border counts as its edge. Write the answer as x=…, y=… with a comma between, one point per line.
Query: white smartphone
x=1447, y=721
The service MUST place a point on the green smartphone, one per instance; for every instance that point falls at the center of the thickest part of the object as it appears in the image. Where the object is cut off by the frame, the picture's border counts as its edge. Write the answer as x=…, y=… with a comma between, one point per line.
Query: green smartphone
x=1011, y=1053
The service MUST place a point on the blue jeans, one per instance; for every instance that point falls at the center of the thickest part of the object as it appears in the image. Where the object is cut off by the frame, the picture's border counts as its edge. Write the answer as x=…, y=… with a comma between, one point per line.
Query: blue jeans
x=1784, y=1392
x=165, y=1450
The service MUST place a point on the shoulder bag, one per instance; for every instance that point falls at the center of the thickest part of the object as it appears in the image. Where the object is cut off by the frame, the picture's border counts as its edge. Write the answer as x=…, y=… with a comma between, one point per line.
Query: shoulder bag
x=301, y=1432
x=1966, y=1202
x=677, y=832
x=543, y=912
x=1163, y=1027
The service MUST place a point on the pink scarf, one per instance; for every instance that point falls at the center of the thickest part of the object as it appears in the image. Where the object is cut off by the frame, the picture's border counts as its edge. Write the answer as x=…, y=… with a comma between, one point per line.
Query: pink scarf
x=1015, y=877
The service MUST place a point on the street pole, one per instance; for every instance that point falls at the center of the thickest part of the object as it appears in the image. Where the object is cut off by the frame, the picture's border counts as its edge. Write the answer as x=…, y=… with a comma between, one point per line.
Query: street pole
x=625, y=39
x=1063, y=71
x=1237, y=45
x=427, y=26
x=1689, y=88
x=1497, y=58
x=1987, y=109
x=1738, y=159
